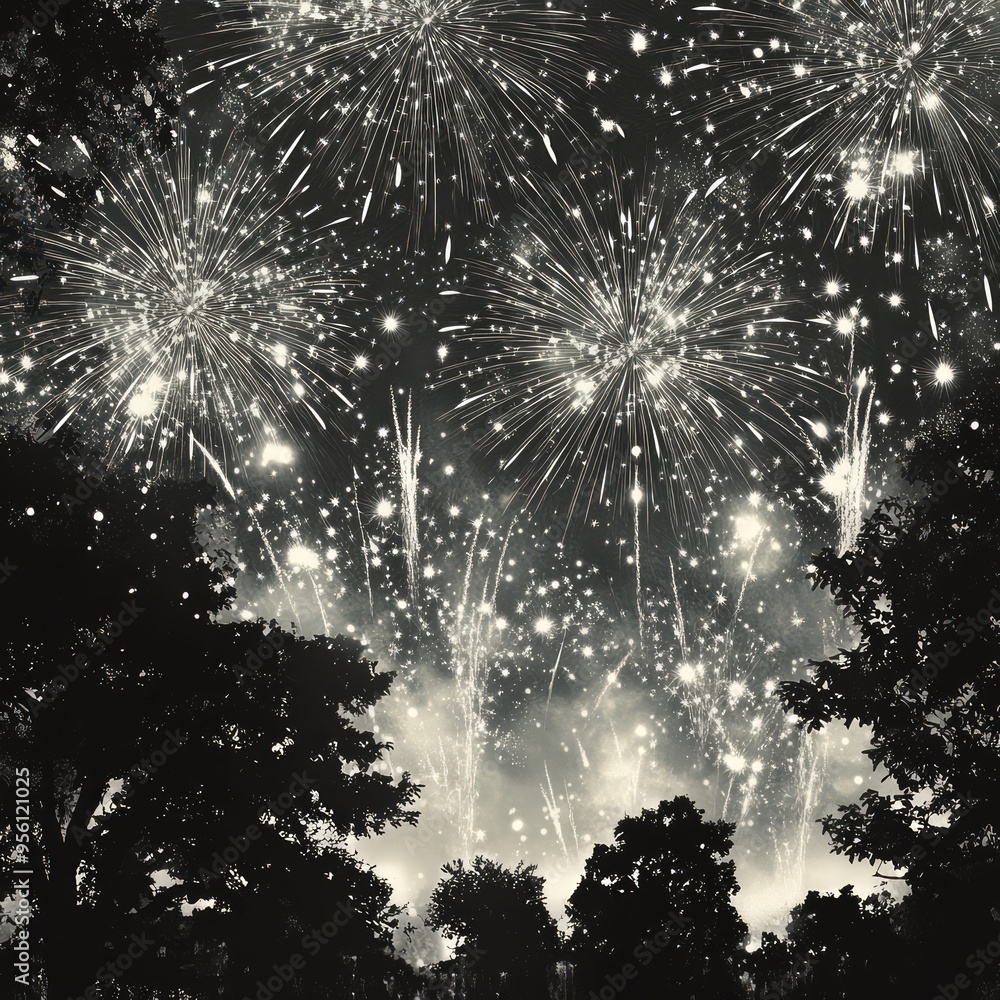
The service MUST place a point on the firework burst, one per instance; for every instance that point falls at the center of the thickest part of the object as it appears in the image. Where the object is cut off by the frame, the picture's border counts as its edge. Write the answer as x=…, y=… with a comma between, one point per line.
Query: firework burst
x=185, y=315
x=637, y=351
x=877, y=103
x=421, y=92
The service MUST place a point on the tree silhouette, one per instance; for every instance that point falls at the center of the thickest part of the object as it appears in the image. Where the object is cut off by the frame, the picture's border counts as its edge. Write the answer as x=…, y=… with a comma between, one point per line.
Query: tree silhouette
x=841, y=946
x=653, y=913
x=921, y=587
x=192, y=782
x=771, y=967
x=506, y=936
x=84, y=82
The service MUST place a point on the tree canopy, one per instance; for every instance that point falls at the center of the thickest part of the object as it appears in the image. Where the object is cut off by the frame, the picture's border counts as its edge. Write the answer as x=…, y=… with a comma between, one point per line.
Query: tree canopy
x=194, y=783
x=658, y=901
x=920, y=588
x=505, y=934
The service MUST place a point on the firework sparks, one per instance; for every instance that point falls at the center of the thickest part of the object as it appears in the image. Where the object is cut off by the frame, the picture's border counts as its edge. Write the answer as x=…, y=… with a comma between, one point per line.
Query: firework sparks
x=637, y=498
x=422, y=91
x=470, y=637
x=847, y=480
x=489, y=632
x=184, y=313
x=644, y=347
x=810, y=769
x=877, y=103
x=409, y=455
x=574, y=538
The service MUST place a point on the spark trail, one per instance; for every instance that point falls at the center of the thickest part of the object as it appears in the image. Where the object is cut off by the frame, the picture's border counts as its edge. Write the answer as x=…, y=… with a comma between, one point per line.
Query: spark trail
x=847, y=480
x=409, y=457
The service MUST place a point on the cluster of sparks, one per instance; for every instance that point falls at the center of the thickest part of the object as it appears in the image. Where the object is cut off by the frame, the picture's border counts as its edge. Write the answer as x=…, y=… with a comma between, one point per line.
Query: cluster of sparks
x=505, y=621
x=635, y=351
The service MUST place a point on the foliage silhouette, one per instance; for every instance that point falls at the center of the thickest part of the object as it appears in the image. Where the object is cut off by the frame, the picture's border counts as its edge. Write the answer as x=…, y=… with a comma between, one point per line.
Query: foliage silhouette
x=156, y=740
x=506, y=937
x=664, y=874
x=921, y=586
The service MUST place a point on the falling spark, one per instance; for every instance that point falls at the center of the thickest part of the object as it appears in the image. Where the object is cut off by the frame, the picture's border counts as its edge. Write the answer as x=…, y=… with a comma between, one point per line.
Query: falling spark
x=409, y=457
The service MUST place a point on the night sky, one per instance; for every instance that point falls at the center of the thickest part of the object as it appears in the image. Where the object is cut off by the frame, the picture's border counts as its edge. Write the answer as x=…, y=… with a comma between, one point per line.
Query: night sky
x=566, y=338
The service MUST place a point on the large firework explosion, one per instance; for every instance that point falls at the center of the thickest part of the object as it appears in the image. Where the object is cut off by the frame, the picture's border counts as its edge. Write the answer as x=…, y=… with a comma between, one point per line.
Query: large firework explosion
x=192, y=308
x=884, y=108
x=636, y=350
x=427, y=94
